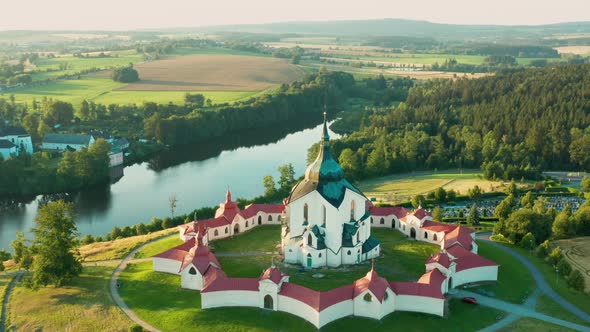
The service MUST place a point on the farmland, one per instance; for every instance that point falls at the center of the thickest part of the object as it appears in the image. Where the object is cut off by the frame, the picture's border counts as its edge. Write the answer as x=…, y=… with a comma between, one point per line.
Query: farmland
x=222, y=78
x=577, y=252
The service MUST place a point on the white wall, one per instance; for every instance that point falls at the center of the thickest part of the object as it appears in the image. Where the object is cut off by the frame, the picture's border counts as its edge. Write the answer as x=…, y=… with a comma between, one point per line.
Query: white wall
x=423, y=304
x=191, y=281
x=7, y=152
x=374, y=309
x=233, y=298
x=484, y=273
x=299, y=309
x=19, y=141
x=336, y=311
x=166, y=265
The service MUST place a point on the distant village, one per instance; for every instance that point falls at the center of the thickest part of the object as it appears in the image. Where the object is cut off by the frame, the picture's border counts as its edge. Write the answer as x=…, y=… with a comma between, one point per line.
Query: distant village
x=15, y=140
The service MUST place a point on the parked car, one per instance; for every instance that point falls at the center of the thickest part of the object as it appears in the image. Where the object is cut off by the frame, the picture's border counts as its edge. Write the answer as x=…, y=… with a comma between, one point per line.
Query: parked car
x=470, y=300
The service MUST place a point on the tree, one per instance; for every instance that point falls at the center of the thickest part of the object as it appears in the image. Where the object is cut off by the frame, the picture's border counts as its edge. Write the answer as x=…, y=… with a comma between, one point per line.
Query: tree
x=418, y=201
x=194, y=99
x=440, y=194
x=527, y=200
x=543, y=249
x=19, y=246
x=473, y=217
x=135, y=328
x=564, y=226
x=287, y=177
x=58, y=112
x=269, y=186
x=141, y=229
x=125, y=74
x=4, y=255
x=437, y=214
x=474, y=193
x=116, y=233
x=350, y=162
x=586, y=184
x=512, y=190
x=564, y=267
x=87, y=239
x=576, y=280
x=2, y=268
x=528, y=241
x=55, y=238
x=172, y=204
x=523, y=221
x=555, y=256
x=451, y=195
x=84, y=111
x=503, y=210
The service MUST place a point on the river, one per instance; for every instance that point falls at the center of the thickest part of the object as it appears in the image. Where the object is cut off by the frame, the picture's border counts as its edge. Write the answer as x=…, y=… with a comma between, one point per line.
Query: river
x=198, y=175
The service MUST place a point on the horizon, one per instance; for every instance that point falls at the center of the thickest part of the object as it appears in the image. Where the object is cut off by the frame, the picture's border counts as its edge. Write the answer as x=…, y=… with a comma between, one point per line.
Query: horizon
x=70, y=15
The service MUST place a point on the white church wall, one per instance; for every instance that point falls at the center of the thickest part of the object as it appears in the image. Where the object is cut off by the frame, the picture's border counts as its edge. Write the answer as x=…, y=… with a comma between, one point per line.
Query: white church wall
x=422, y=304
x=364, y=308
x=484, y=273
x=336, y=311
x=233, y=298
x=191, y=281
x=166, y=265
x=298, y=308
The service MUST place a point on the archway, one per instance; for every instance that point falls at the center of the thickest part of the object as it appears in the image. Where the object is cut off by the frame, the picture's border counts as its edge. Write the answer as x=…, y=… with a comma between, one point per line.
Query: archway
x=450, y=283
x=308, y=260
x=259, y=220
x=413, y=233
x=236, y=228
x=268, y=302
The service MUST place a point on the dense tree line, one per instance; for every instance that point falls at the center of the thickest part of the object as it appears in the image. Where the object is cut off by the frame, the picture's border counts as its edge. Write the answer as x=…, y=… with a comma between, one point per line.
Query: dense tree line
x=36, y=174
x=511, y=125
x=125, y=74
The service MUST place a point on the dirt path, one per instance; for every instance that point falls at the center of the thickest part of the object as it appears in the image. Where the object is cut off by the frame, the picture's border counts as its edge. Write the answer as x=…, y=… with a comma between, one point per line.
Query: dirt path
x=16, y=279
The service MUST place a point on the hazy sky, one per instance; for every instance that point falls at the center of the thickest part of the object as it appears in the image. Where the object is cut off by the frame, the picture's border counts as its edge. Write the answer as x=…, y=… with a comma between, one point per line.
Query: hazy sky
x=138, y=14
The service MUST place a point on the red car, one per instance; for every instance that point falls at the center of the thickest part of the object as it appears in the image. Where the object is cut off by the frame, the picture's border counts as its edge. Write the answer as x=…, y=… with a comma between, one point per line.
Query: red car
x=470, y=300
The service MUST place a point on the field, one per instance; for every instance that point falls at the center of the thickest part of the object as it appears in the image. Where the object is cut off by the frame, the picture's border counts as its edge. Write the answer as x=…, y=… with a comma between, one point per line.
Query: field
x=400, y=187
x=213, y=73
x=531, y=324
x=86, y=305
x=577, y=252
x=581, y=50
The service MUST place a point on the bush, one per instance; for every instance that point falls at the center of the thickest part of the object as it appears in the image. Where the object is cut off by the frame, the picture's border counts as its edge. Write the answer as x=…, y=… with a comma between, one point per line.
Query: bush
x=554, y=257
x=499, y=238
x=564, y=267
x=125, y=74
x=527, y=241
x=543, y=249
x=87, y=239
x=135, y=328
x=576, y=280
x=2, y=267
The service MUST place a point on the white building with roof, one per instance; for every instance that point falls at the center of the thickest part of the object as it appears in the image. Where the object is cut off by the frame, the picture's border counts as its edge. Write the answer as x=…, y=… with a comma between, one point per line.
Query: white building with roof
x=19, y=137
x=63, y=142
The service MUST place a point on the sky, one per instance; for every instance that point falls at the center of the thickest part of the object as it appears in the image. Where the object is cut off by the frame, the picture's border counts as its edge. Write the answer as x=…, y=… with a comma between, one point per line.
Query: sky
x=146, y=14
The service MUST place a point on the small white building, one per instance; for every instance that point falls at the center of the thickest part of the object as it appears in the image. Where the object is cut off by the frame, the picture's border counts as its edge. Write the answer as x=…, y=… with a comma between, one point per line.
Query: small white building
x=19, y=137
x=7, y=149
x=63, y=142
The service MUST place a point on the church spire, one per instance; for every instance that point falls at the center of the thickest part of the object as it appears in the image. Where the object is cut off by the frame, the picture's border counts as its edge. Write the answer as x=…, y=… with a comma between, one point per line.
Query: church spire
x=325, y=136
x=228, y=195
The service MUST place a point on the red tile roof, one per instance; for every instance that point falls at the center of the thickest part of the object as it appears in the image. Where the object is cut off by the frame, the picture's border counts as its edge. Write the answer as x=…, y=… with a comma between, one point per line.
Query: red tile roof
x=177, y=253
x=317, y=300
x=227, y=209
x=273, y=274
x=420, y=213
x=440, y=258
x=465, y=259
x=223, y=283
x=398, y=211
x=416, y=289
x=373, y=282
x=215, y=222
x=461, y=235
x=253, y=209
x=434, y=226
x=201, y=257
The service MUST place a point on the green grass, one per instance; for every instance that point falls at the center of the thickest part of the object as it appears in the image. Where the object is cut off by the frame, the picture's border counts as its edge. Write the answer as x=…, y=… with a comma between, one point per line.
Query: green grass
x=75, y=64
x=159, y=246
x=549, y=307
x=260, y=239
x=580, y=299
x=85, y=305
x=100, y=90
x=215, y=50
x=515, y=283
x=531, y=324
x=157, y=298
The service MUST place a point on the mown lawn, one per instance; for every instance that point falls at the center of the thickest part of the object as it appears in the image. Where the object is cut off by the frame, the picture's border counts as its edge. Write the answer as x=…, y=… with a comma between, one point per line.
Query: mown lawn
x=157, y=298
x=260, y=239
x=549, y=307
x=85, y=305
x=159, y=246
x=531, y=324
x=515, y=283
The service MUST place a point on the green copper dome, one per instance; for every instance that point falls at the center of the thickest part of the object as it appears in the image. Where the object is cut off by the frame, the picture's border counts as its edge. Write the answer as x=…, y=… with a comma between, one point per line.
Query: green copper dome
x=325, y=175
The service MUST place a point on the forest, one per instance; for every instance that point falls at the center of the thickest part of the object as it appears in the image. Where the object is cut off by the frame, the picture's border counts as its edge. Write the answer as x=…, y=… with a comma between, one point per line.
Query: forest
x=511, y=125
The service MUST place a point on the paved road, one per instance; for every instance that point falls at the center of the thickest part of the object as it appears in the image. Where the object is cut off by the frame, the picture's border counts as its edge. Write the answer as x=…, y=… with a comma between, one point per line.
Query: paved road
x=115, y=293
x=531, y=303
x=519, y=310
x=539, y=279
x=6, y=298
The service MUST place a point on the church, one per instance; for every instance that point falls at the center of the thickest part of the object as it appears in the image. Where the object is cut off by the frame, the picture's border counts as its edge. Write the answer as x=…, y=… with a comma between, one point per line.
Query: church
x=327, y=218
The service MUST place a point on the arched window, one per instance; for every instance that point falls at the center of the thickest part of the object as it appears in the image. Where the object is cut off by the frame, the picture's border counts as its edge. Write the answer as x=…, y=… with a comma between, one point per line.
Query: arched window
x=323, y=215
x=435, y=238
x=309, y=240
x=399, y=224
x=358, y=236
x=381, y=221
x=348, y=253
x=226, y=230
x=368, y=297
x=404, y=227
x=351, y=210
x=305, y=211
x=259, y=220
x=269, y=217
x=425, y=235
x=216, y=233
x=246, y=223
x=371, y=220
x=320, y=255
x=192, y=271
x=279, y=218
x=385, y=296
